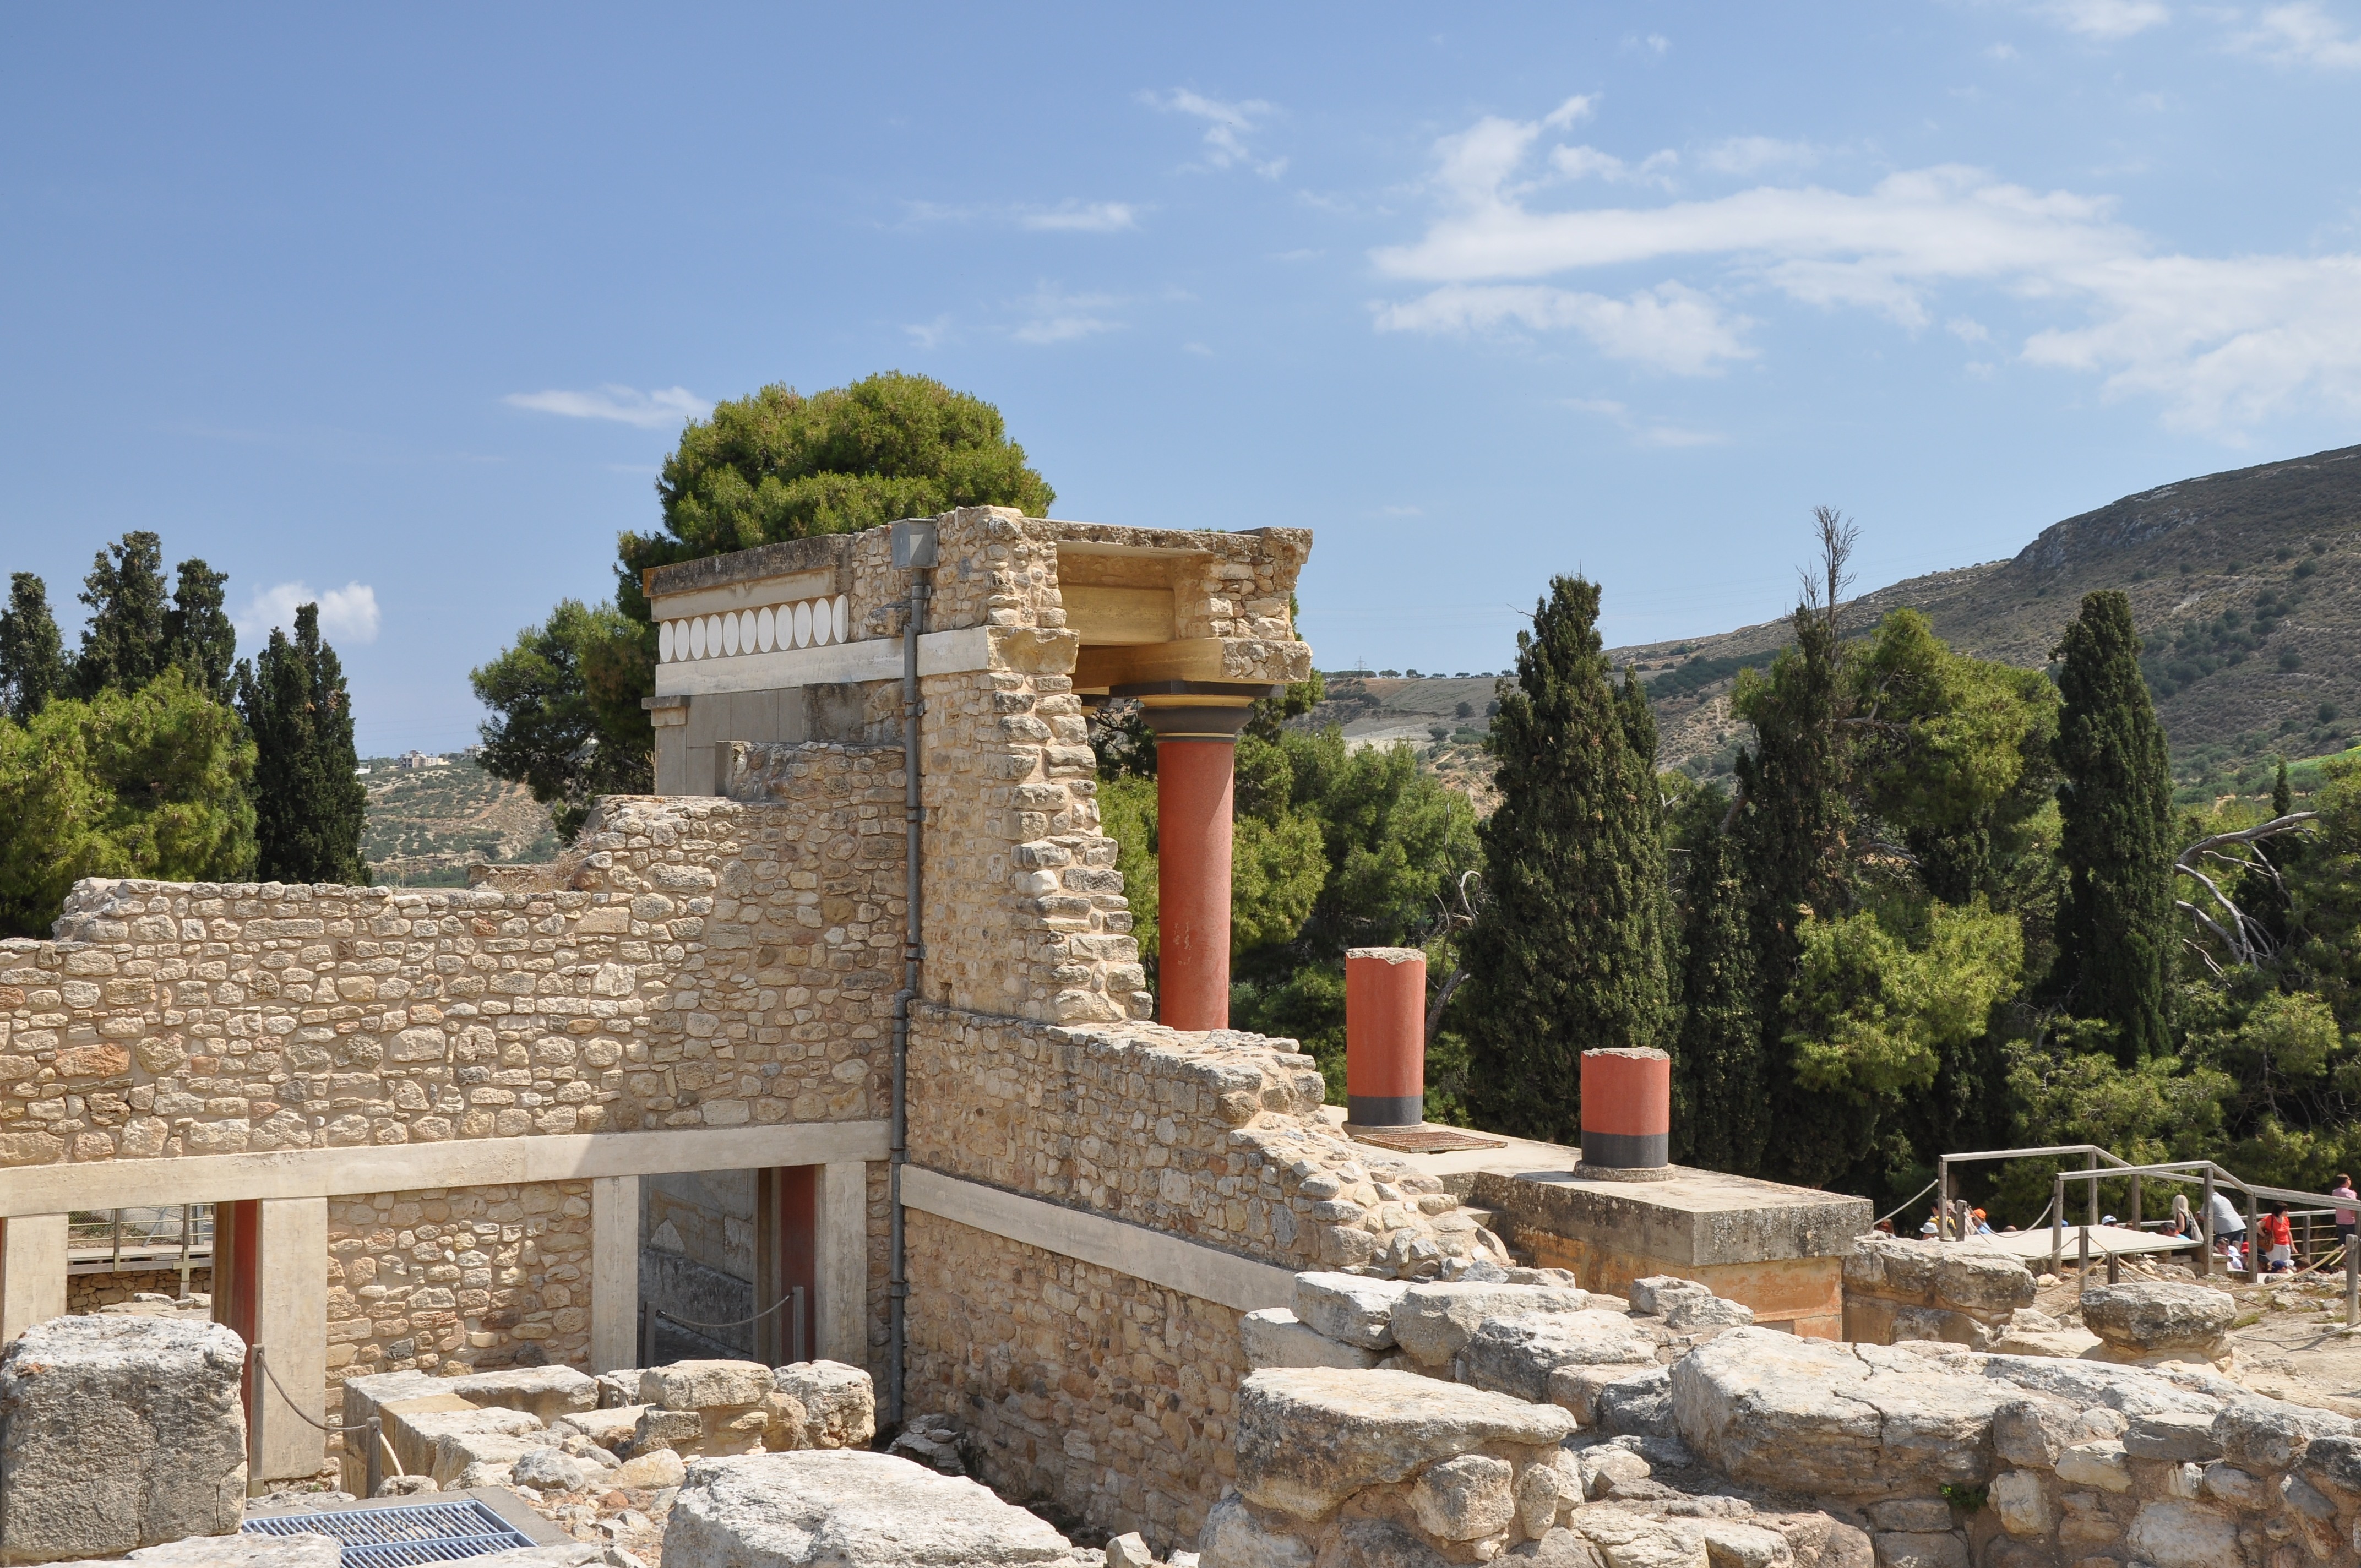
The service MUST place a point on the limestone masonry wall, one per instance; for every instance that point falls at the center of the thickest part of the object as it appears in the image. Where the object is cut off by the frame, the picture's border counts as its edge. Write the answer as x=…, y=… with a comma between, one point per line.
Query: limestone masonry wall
x=89, y=1292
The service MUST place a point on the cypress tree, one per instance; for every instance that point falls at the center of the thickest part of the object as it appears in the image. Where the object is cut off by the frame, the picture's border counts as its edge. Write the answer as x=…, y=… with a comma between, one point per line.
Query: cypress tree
x=32, y=657
x=309, y=805
x=2282, y=792
x=2114, y=922
x=123, y=646
x=198, y=635
x=1720, y=1119
x=1568, y=951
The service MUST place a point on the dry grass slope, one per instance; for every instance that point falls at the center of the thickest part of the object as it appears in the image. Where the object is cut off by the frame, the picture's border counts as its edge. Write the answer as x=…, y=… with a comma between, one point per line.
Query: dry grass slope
x=427, y=825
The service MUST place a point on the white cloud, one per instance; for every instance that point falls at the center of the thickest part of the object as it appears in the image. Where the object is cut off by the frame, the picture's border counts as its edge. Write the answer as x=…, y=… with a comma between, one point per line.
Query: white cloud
x=1081, y=217
x=1227, y=126
x=649, y=410
x=1967, y=329
x=1751, y=155
x=927, y=334
x=2303, y=34
x=346, y=615
x=1052, y=315
x=1582, y=162
x=1581, y=106
x=2107, y=20
x=2222, y=342
x=1671, y=327
x=1642, y=432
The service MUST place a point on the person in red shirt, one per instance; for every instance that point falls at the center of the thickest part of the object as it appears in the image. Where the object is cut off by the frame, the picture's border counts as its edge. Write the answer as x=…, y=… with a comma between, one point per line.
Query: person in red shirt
x=2279, y=1240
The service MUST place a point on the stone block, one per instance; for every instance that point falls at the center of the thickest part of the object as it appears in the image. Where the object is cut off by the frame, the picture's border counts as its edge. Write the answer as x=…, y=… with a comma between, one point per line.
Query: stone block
x=840, y=1402
x=611, y=1429
x=2270, y=1434
x=1897, y=1549
x=850, y=1508
x=1914, y=1516
x=701, y=1385
x=734, y=1428
x=1467, y=1498
x=1308, y=1438
x=2158, y=1319
x=2333, y=1465
x=1734, y=1543
x=363, y=1396
x=1274, y=1338
x=1656, y=1294
x=2102, y=1465
x=548, y=1392
x=1517, y=1355
x=1348, y=1309
x=1577, y=1389
x=118, y=1434
x=2020, y=1503
x=1634, y=1540
x=241, y=1551
x=1432, y=1322
x=1688, y=1313
x=2177, y=1435
x=1987, y=1285
x=652, y=1471
x=2170, y=1533
x=1641, y=1406
x=680, y=1431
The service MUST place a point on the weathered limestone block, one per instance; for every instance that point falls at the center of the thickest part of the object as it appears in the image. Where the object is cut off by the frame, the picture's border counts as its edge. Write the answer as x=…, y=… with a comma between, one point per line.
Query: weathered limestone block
x=1466, y=1498
x=680, y=1431
x=1656, y=1294
x=849, y=1508
x=2264, y=1435
x=1349, y=1309
x=1546, y=1493
x=1519, y=1356
x=2018, y=1499
x=1432, y=1322
x=2176, y=1435
x=1634, y=1540
x=1734, y=1543
x=2333, y=1465
x=1308, y=1438
x=552, y=1470
x=239, y=1551
x=2161, y=1319
x=1579, y=1389
x=1641, y=1406
x=840, y=1402
x=1233, y=1537
x=2102, y=1465
x=1960, y=1292
x=441, y=1435
x=1843, y=1420
x=1273, y=1337
x=2033, y=1431
x=706, y=1384
x=117, y=1433
x=364, y=1396
x=1688, y=1313
x=2171, y=1533
x=611, y=1429
x=1559, y=1549
x=650, y=1472
x=786, y=1426
x=1921, y=1549
x=548, y=1392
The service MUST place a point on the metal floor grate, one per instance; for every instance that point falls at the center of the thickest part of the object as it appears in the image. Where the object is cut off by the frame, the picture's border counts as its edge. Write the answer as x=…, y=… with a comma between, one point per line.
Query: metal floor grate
x=398, y=1537
x=1423, y=1139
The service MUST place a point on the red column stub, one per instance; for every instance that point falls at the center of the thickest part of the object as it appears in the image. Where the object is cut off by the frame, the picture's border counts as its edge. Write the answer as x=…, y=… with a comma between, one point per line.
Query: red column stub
x=1385, y=1036
x=1626, y=1109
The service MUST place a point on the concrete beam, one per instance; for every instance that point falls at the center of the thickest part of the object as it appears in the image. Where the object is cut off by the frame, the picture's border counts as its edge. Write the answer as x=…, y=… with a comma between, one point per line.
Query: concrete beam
x=871, y=659
x=843, y=1267
x=614, y=1272
x=290, y=1315
x=32, y=1272
x=403, y=1167
x=1239, y=1283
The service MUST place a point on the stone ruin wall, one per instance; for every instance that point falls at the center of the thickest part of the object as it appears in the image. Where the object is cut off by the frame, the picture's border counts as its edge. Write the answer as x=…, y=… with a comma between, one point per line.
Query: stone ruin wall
x=697, y=962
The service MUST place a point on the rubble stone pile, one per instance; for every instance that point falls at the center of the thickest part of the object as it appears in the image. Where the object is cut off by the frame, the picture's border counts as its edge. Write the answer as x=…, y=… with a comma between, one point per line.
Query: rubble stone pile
x=1506, y=1414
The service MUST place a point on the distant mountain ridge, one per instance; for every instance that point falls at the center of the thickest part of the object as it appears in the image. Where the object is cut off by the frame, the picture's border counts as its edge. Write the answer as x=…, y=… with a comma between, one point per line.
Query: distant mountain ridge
x=2246, y=587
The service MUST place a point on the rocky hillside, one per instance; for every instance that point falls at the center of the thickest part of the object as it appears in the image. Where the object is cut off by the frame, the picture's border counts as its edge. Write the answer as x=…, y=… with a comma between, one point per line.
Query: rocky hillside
x=2246, y=587
x=427, y=825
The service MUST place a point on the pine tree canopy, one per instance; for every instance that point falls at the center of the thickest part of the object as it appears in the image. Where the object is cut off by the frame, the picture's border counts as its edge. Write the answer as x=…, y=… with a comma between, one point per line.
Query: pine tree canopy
x=198, y=635
x=122, y=645
x=1721, y=1117
x=311, y=807
x=32, y=656
x=2116, y=930
x=1569, y=953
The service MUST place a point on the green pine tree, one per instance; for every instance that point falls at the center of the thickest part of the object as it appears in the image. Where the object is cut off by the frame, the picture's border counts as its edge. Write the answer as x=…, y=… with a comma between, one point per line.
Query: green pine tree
x=2115, y=924
x=1568, y=952
x=198, y=635
x=309, y=807
x=123, y=646
x=2282, y=792
x=32, y=657
x=1720, y=1116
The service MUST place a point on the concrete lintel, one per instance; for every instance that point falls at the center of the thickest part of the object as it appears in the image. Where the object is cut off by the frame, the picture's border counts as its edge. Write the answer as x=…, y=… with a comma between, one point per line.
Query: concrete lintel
x=401, y=1168
x=1699, y=1218
x=871, y=659
x=1239, y=1283
x=32, y=1272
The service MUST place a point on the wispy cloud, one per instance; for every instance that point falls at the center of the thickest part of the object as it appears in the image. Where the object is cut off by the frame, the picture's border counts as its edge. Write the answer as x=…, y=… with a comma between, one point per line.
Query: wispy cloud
x=1081, y=217
x=648, y=411
x=928, y=334
x=1052, y=315
x=2303, y=34
x=1584, y=162
x=1751, y=155
x=2106, y=20
x=1227, y=126
x=2219, y=341
x=346, y=615
x=1645, y=433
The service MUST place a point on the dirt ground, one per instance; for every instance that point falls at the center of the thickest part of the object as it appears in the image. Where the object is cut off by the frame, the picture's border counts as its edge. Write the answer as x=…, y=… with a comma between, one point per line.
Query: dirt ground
x=2291, y=1340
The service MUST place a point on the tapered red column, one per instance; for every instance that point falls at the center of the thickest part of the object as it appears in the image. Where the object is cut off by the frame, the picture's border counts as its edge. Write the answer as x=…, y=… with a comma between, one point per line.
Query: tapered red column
x=1196, y=726
x=1385, y=1036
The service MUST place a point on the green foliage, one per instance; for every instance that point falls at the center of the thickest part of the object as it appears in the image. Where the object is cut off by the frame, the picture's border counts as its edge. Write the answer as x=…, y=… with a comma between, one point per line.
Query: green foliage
x=1568, y=952
x=198, y=635
x=149, y=782
x=32, y=657
x=1127, y=815
x=560, y=726
x=309, y=807
x=1720, y=1114
x=1873, y=1015
x=2116, y=929
x=123, y=645
x=1277, y=871
x=781, y=466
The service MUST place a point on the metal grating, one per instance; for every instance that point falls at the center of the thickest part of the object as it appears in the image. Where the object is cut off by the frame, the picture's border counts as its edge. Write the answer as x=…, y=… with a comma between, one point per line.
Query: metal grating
x=400, y=1537
x=1423, y=1139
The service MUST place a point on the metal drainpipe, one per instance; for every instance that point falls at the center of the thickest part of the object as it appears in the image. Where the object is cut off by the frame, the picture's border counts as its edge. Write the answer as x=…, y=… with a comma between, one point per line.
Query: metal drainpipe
x=914, y=550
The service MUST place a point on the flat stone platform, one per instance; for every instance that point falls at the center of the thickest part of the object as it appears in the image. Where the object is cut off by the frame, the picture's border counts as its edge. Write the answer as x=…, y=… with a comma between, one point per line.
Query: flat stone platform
x=1778, y=1249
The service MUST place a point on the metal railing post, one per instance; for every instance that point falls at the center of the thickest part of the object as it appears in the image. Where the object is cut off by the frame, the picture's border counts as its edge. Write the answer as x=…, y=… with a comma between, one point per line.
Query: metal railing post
x=2136, y=1216
x=2205, y=1228
x=2090, y=1163
x=254, y=1403
x=1943, y=1197
x=2254, y=1235
x=375, y=1470
x=2058, y=1224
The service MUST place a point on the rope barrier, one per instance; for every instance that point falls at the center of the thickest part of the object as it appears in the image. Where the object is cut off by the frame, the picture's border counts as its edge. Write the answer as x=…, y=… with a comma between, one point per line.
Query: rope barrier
x=737, y=1323
x=289, y=1401
x=1907, y=1202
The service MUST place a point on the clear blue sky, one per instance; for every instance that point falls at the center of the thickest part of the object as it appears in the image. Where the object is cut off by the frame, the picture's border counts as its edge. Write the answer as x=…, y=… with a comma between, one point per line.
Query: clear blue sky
x=407, y=306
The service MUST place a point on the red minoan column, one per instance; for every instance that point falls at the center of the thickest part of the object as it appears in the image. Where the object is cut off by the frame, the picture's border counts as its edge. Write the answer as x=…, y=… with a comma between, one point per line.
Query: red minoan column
x=1627, y=1110
x=1196, y=725
x=1385, y=1036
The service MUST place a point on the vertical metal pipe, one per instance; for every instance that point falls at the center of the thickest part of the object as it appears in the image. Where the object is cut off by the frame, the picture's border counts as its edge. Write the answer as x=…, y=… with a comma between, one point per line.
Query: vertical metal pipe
x=2205, y=1228
x=796, y=1351
x=2058, y=1224
x=914, y=547
x=254, y=1403
x=1942, y=1197
x=2090, y=1162
x=376, y=1467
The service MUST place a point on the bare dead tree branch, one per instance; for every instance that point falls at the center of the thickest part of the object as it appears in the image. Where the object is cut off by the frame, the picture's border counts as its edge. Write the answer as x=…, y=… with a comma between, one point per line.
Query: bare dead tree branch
x=1448, y=920
x=1826, y=580
x=2244, y=938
